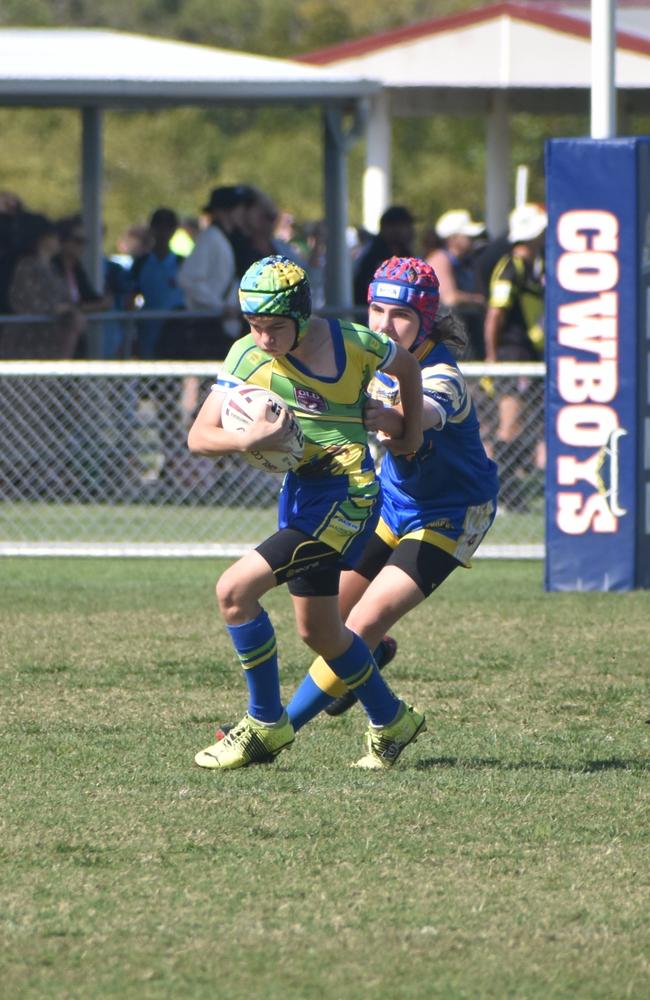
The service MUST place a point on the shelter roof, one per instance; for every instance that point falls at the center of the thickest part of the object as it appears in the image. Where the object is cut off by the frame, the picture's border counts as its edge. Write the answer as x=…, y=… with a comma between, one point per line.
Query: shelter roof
x=62, y=66
x=516, y=46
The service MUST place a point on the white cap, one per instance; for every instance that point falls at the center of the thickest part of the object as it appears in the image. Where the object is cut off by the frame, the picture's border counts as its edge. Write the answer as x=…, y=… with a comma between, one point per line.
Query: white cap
x=526, y=222
x=458, y=222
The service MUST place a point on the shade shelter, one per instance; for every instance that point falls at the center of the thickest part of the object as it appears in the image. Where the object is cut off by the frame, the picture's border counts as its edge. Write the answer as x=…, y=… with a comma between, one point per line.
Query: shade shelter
x=95, y=70
x=493, y=61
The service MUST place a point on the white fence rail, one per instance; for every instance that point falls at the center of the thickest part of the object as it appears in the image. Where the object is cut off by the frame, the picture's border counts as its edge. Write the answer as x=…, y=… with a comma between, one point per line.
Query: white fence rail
x=93, y=461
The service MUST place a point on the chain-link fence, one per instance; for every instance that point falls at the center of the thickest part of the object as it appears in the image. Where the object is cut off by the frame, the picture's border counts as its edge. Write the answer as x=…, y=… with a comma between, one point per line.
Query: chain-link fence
x=94, y=461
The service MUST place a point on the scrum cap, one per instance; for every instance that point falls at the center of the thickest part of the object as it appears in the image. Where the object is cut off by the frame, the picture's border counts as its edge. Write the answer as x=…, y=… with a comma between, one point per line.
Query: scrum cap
x=276, y=286
x=411, y=282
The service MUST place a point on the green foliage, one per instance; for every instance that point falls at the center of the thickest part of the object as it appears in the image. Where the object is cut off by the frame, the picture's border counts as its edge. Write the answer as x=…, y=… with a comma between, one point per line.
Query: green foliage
x=505, y=856
x=174, y=157
x=197, y=149
x=40, y=156
x=27, y=13
x=272, y=27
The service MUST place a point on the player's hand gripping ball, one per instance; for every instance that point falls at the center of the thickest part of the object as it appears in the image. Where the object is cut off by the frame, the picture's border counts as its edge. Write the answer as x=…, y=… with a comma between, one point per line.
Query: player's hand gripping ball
x=240, y=409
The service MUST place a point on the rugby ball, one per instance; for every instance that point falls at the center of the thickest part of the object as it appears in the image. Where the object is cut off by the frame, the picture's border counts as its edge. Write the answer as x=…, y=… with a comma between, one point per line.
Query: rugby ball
x=240, y=409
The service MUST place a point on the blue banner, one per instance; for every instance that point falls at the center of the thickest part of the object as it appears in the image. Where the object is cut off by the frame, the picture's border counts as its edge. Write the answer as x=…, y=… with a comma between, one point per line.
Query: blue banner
x=643, y=370
x=593, y=333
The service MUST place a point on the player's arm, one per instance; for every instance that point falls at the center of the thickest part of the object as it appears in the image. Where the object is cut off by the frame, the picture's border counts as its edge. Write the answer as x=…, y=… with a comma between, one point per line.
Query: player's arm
x=407, y=372
x=494, y=323
x=502, y=293
x=208, y=437
x=388, y=422
x=450, y=294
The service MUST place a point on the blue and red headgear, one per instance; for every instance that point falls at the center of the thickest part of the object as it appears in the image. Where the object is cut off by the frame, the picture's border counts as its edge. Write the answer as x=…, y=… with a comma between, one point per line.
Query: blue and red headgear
x=411, y=282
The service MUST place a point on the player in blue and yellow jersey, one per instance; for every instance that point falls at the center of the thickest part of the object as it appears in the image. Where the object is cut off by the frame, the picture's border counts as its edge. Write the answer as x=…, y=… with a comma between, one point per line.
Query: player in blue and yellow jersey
x=328, y=507
x=438, y=503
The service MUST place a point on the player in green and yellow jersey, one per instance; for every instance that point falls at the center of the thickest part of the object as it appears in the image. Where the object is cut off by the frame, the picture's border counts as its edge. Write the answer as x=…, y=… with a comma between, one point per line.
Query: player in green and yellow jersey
x=328, y=506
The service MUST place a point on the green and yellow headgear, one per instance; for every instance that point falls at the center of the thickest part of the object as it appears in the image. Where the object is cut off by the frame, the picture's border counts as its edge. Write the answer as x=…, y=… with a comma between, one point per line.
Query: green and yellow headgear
x=277, y=286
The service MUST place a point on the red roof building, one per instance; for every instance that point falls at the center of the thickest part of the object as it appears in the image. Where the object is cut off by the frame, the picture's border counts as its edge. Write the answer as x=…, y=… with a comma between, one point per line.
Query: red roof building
x=493, y=60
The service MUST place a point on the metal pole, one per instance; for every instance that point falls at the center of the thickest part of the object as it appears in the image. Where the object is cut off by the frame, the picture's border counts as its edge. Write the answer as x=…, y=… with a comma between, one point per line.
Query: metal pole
x=336, y=198
x=91, y=210
x=497, y=172
x=376, y=178
x=603, y=75
x=521, y=185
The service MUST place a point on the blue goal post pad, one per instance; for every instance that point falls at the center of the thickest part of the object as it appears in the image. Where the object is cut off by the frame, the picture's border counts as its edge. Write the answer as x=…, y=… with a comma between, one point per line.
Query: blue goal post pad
x=597, y=330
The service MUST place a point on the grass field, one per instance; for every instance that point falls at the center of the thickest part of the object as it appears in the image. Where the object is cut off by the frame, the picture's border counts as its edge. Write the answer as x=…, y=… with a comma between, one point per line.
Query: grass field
x=66, y=522
x=505, y=856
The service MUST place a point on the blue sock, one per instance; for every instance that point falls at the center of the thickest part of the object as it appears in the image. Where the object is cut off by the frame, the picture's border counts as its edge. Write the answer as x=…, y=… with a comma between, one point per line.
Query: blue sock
x=308, y=700
x=359, y=671
x=256, y=648
x=316, y=691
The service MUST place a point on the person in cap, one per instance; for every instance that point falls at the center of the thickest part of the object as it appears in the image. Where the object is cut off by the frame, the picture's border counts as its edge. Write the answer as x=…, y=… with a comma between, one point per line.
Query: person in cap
x=514, y=332
x=394, y=239
x=437, y=504
x=208, y=279
x=453, y=262
x=328, y=506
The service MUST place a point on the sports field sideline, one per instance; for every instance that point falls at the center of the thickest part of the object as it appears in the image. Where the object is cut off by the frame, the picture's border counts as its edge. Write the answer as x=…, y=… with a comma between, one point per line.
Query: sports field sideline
x=506, y=855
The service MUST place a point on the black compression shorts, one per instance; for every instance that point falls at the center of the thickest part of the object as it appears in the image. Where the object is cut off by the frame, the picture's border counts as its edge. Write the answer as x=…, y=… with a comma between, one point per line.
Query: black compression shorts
x=426, y=564
x=308, y=567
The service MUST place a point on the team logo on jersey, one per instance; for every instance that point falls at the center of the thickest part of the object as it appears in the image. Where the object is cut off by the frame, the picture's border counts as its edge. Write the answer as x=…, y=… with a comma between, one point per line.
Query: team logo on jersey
x=310, y=400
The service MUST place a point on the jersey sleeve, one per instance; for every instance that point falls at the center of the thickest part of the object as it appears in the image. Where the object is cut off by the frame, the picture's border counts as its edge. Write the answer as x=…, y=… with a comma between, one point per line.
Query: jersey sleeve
x=445, y=387
x=384, y=388
x=503, y=284
x=235, y=368
x=380, y=347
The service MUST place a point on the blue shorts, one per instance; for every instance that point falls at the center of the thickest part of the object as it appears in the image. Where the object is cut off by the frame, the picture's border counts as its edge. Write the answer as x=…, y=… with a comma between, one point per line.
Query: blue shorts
x=458, y=530
x=331, y=512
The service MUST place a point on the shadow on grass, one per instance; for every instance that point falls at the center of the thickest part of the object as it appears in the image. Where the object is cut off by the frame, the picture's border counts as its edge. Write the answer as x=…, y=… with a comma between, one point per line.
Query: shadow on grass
x=586, y=767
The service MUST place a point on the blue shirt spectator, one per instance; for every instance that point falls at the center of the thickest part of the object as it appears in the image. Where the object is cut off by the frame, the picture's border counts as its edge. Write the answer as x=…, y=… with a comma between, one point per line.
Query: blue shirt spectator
x=154, y=277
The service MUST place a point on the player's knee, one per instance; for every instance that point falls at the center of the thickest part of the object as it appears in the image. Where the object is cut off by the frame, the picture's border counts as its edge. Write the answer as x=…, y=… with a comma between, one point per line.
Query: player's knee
x=324, y=641
x=370, y=631
x=230, y=595
x=307, y=632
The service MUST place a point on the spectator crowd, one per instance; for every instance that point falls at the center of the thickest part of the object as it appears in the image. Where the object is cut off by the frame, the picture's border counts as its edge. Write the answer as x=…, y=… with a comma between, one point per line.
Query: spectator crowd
x=192, y=266
x=169, y=265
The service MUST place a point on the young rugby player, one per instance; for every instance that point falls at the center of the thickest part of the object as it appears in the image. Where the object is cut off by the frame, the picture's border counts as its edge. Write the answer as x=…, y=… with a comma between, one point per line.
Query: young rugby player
x=328, y=507
x=437, y=505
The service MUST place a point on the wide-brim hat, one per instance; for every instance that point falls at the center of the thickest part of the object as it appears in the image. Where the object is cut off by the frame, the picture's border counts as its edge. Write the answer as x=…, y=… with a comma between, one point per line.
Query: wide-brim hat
x=526, y=222
x=458, y=222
